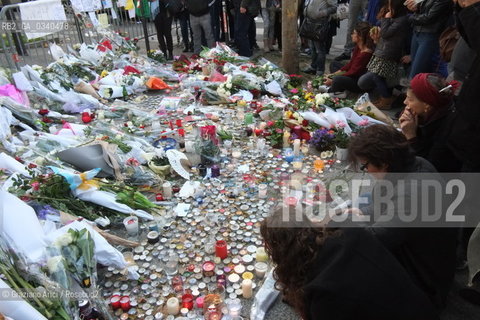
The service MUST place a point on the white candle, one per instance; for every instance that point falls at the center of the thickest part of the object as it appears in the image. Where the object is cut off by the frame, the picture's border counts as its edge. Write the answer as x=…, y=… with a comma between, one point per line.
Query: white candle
x=262, y=191
x=167, y=190
x=173, y=306
x=261, y=269
x=247, y=290
x=296, y=147
x=131, y=224
x=286, y=139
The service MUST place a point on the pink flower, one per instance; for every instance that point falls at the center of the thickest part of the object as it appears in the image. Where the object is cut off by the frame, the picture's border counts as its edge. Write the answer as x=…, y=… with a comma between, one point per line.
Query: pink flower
x=294, y=91
x=363, y=123
x=278, y=130
x=36, y=185
x=270, y=123
x=341, y=124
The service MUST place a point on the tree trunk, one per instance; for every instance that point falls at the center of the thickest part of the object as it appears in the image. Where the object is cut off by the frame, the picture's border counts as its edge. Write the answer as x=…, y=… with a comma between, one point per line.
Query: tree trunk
x=289, y=36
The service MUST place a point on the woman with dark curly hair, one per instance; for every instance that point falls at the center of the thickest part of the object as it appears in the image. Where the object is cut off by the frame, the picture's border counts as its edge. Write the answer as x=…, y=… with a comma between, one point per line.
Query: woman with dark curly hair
x=426, y=248
x=327, y=273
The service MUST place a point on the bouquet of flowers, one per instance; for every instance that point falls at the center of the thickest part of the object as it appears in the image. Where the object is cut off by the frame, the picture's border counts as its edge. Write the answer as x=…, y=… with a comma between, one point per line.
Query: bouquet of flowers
x=323, y=139
x=341, y=138
x=156, y=55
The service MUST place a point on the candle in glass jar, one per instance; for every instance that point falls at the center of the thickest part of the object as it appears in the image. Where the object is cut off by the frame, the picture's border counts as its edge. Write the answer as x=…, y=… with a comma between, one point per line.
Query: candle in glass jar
x=131, y=224
x=262, y=191
x=115, y=301
x=261, y=269
x=187, y=301
x=297, y=164
x=167, y=190
x=236, y=153
x=199, y=302
x=125, y=303
x=296, y=147
x=208, y=269
x=173, y=306
x=234, y=307
x=221, y=249
x=247, y=290
x=248, y=118
x=261, y=255
x=177, y=283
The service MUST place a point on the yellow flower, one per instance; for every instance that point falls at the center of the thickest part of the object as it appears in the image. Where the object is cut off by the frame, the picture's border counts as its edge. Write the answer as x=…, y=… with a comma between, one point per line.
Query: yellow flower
x=287, y=114
x=241, y=103
x=104, y=73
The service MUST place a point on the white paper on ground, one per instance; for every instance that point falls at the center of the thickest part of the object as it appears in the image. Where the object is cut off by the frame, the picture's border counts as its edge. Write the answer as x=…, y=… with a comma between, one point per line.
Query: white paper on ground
x=188, y=189
x=181, y=210
x=315, y=117
x=108, y=92
x=21, y=82
x=350, y=115
x=12, y=165
x=20, y=224
x=242, y=94
x=265, y=297
x=174, y=158
x=274, y=88
x=17, y=309
x=105, y=253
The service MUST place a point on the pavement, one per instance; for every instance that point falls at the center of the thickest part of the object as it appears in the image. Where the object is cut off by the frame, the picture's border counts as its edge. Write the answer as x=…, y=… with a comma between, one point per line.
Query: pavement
x=457, y=308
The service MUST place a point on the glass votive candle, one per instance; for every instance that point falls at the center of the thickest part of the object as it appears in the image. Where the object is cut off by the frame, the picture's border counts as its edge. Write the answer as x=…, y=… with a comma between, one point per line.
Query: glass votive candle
x=228, y=144
x=234, y=307
x=131, y=224
x=187, y=301
x=288, y=155
x=319, y=164
x=262, y=191
x=221, y=249
x=128, y=255
x=261, y=255
x=297, y=164
x=261, y=269
x=236, y=153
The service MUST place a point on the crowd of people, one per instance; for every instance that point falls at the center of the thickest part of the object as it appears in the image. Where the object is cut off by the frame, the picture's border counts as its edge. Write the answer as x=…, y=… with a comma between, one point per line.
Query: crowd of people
x=373, y=271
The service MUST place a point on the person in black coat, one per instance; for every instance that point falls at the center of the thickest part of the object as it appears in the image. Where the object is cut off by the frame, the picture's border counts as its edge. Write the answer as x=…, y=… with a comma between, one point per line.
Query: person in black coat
x=427, y=118
x=409, y=220
x=163, y=25
x=339, y=274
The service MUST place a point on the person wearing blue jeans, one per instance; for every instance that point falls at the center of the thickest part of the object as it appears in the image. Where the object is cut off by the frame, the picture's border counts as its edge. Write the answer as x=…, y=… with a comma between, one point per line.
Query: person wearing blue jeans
x=374, y=84
x=429, y=19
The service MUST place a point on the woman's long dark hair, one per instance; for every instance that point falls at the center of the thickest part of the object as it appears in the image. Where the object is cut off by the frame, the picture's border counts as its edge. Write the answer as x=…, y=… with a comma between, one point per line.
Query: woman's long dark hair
x=293, y=246
x=397, y=6
x=363, y=31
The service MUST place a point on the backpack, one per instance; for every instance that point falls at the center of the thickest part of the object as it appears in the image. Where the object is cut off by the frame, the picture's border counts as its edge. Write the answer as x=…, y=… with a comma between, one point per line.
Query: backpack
x=175, y=7
x=448, y=40
x=198, y=7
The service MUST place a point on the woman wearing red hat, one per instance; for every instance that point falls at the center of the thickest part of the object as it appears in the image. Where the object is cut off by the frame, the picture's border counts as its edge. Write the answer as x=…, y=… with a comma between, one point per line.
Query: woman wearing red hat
x=427, y=117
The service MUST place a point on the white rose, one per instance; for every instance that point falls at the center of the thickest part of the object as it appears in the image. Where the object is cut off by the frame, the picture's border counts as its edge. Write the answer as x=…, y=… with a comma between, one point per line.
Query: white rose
x=319, y=99
x=63, y=240
x=329, y=154
x=323, y=155
x=53, y=263
x=228, y=85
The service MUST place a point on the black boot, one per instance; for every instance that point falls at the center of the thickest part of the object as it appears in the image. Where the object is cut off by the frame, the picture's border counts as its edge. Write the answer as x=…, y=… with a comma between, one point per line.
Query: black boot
x=170, y=56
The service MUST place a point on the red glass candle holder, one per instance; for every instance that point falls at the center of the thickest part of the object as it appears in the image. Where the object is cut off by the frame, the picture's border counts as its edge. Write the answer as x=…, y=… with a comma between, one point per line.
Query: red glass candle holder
x=221, y=249
x=115, y=301
x=199, y=302
x=208, y=269
x=125, y=303
x=187, y=301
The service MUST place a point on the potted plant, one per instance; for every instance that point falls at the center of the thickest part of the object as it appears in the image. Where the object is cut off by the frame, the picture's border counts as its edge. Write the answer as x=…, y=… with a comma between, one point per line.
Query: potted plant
x=160, y=165
x=341, y=141
x=322, y=139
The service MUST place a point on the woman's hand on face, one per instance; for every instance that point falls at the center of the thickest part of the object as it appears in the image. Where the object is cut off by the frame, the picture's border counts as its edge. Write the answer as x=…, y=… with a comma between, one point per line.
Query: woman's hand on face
x=388, y=14
x=409, y=123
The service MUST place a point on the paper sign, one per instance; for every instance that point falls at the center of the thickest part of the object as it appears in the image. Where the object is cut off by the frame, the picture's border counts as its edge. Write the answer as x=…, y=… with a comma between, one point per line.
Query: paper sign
x=44, y=16
x=93, y=18
x=114, y=13
x=107, y=4
x=103, y=19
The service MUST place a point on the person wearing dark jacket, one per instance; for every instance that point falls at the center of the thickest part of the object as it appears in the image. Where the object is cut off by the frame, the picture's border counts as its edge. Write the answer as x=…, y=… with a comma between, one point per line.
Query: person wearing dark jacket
x=163, y=25
x=411, y=224
x=200, y=21
x=328, y=273
x=245, y=33
x=427, y=118
x=464, y=137
x=429, y=19
x=384, y=64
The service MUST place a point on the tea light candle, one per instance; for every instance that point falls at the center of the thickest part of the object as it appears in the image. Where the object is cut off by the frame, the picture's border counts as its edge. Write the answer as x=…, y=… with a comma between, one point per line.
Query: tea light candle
x=167, y=190
x=221, y=249
x=131, y=224
x=233, y=278
x=261, y=269
x=234, y=307
x=173, y=306
x=262, y=191
x=261, y=255
x=115, y=301
x=236, y=153
x=152, y=237
x=296, y=147
x=208, y=269
x=247, y=290
x=239, y=269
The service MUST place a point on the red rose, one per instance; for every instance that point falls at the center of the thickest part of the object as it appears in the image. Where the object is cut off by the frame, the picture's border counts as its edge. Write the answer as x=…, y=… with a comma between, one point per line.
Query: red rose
x=305, y=123
x=127, y=39
x=270, y=123
x=19, y=159
x=32, y=165
x=304, y=135
x=43, y=112
x=47, y=120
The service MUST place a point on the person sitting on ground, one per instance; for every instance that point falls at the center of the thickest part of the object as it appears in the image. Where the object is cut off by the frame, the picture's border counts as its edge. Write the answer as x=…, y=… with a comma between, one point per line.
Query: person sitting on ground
x=384, y=64
x=425, y=247
x=345, y=77
x=427, y=118
x=328, y=273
